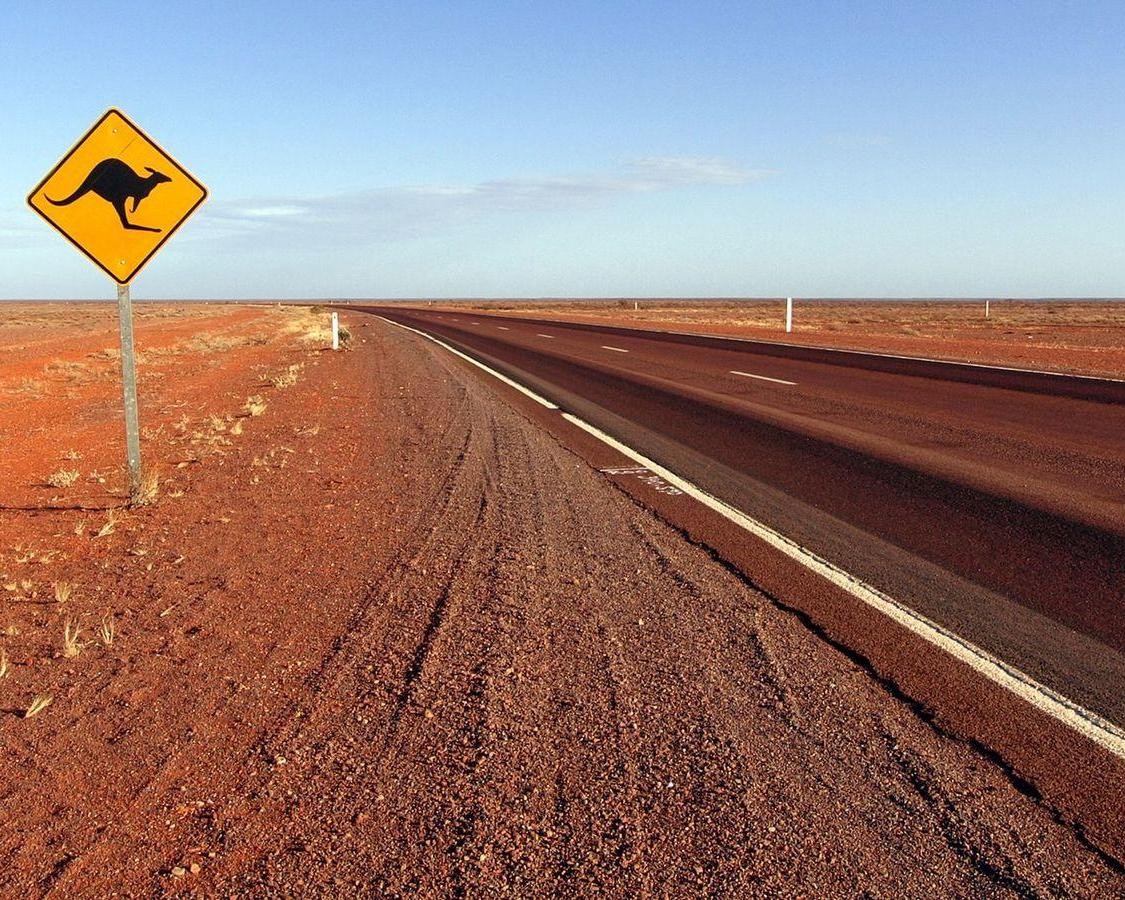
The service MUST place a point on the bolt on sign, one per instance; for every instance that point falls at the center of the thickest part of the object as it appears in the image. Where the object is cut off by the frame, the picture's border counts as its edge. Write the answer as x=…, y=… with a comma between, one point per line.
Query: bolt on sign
x=117, y=196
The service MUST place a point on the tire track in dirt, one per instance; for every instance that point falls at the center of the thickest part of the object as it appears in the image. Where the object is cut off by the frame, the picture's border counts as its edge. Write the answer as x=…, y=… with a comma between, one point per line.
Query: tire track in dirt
x=588, y=704
x=424, y=555
x=993, y=864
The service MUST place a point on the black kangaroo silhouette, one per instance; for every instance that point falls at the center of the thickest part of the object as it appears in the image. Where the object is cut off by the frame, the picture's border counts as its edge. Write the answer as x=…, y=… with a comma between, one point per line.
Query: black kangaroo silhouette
x=115, y=182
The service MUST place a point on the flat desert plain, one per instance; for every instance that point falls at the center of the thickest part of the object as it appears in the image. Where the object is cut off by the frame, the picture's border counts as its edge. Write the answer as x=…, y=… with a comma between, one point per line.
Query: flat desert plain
x=1066, y=336
x=103, y=605
x=363, y=640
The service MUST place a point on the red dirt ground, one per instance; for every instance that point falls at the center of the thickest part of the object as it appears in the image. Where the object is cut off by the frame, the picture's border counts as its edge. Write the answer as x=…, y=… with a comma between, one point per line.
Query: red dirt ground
x=366, y=642
x=1086, y=337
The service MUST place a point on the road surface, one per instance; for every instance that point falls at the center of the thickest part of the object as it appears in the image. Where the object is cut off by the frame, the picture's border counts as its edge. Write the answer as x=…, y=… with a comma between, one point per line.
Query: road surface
x=990, y=500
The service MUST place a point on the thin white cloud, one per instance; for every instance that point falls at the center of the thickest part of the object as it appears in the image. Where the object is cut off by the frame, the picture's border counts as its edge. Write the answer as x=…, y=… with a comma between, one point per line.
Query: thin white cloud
x=392, y=213
x=658, y=172
x=856, y=141
x=270, y=212
x=19, y=228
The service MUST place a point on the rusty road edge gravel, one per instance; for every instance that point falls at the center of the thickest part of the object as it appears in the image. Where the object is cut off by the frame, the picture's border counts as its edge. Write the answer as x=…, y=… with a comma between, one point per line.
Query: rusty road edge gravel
x=1090, y=725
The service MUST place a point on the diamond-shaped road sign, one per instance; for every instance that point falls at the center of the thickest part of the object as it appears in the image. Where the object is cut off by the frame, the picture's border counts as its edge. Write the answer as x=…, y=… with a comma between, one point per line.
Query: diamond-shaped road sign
x=117, y=196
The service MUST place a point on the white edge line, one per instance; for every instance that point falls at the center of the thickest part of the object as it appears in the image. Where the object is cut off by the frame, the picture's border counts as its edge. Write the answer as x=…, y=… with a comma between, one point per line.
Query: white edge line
x=614, y=349
x=762, y=377
x=543, y=401
x=1088, y=724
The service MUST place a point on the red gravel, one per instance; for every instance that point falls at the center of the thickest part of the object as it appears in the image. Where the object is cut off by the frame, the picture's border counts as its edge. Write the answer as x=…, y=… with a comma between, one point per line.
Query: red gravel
x=435, y=652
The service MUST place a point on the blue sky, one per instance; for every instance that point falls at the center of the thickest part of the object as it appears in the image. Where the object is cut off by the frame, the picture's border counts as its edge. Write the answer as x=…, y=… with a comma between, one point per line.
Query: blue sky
x=357, y=149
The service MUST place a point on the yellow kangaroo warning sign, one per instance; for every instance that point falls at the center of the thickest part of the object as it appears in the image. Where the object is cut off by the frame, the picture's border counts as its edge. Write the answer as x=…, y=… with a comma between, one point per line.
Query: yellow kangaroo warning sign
x=117, y=196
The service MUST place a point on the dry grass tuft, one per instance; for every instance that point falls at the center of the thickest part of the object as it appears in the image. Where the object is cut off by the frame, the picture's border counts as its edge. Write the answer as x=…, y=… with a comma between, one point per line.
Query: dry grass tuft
x=71, y=645
x=64, y=590
x=72, y=371
x=28, y=387
x=150, y=488
x=110, y=524
x=212, y=438
x=63, y=478
x=215, y=343
x=308, y=325
x=37, y=706
x=288, y=378
x=107, y=631
x=255, y=406
x=72, y=455
x=236, y=427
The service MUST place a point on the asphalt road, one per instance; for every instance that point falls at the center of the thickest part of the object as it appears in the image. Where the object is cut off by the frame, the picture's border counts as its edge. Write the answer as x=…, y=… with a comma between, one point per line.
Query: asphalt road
x=990, y=500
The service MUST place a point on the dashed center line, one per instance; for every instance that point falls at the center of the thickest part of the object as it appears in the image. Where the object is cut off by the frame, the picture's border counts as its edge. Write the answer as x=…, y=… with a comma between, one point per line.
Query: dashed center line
x=614, y=349
x=503, y=327
x=761, y=377
x=549, y=337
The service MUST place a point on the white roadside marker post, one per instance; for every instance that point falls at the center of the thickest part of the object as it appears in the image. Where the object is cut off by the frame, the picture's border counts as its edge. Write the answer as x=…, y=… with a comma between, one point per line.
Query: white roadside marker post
x=986, y=309
x=129, y=389
x=335, y=331
x=788, y=314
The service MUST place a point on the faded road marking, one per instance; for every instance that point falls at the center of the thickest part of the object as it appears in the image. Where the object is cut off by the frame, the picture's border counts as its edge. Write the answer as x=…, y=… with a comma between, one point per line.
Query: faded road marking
x=549, y=337
x=614, y=349
x=761, y=377
x=654, y=481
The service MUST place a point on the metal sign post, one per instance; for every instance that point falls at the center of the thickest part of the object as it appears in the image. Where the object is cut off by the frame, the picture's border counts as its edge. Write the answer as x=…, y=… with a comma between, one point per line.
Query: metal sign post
x=93, y=198
x=129, y=389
